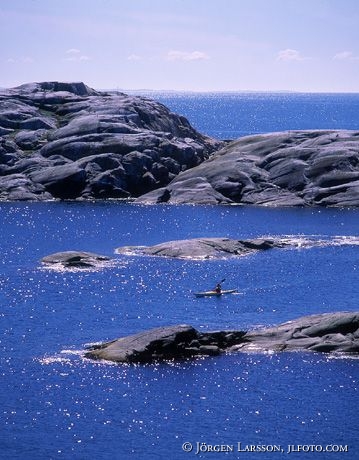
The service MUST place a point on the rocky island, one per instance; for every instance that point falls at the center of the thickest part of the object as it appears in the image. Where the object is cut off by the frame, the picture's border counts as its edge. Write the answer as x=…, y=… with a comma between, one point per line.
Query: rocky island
x=204, y=248
x=75, y=259
x=328, y=332
x=223, y=248
x=68, y=141
x=195, y=249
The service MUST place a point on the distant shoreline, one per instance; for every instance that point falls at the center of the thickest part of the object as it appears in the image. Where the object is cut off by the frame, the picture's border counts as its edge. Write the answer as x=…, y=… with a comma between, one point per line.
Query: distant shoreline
x=224, y=92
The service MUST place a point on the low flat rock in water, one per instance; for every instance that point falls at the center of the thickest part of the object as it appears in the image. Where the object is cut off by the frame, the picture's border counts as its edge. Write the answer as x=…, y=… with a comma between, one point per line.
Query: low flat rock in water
x=220, y=248
x=328, y=332
x=203, y=248
x=75, y=259
x=163, y=342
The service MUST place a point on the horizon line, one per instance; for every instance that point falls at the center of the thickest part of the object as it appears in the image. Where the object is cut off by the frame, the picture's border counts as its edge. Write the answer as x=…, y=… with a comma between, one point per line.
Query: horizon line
x=226, y=91
x=191, y=91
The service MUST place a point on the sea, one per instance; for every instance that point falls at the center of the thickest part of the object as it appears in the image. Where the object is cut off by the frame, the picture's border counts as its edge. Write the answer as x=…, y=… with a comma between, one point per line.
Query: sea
x=56, y=404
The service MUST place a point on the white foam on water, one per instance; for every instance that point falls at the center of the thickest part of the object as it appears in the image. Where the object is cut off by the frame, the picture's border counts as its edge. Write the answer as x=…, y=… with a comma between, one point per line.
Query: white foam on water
x=48, y=360
x=312, y=241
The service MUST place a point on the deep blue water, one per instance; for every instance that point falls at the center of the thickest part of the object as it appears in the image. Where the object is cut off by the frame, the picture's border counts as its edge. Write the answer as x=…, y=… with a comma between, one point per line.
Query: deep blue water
x=56, y=405
x=232, y=115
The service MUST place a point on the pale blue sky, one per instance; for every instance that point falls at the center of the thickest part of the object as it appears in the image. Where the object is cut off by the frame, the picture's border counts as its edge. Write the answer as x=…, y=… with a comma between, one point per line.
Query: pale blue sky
x=196, y=45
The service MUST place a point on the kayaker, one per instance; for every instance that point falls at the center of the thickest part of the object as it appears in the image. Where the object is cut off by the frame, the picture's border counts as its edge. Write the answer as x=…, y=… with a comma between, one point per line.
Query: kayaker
x=218, y=288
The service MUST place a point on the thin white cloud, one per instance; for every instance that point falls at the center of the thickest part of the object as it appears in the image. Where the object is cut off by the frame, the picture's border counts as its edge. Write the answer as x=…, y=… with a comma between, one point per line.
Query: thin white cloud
x=134, y=57
x=74, y=54
x=290, y=55
x=73, y=51
x=346, y=56
x=23, y=60
x=175, y=55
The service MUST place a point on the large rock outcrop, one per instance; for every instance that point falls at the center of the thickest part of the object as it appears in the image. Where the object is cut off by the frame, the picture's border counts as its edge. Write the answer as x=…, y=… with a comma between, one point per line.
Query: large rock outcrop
x=294, y=168
x=328, y=332
x=68, y=141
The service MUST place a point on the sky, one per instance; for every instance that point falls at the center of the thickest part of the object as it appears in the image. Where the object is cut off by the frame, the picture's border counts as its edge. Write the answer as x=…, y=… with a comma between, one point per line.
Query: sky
x=184, y=45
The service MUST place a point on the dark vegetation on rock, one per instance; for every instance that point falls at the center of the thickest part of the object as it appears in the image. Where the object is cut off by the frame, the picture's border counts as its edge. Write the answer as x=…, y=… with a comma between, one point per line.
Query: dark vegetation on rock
x=328, y=332
x=294, y=168
x=68, y=141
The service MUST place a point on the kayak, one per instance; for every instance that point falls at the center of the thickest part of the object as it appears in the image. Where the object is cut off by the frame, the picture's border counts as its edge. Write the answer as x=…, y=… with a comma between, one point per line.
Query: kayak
x=214, y=293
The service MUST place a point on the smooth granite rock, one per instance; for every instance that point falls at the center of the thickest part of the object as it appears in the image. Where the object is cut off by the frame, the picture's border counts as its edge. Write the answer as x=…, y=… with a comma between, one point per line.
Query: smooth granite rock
x=111, y=145
x=204, y=248
x=163, y=343
x=328, y=332
x=324, y=332
x=76, y=259
x=128, y=147
x=294, y=168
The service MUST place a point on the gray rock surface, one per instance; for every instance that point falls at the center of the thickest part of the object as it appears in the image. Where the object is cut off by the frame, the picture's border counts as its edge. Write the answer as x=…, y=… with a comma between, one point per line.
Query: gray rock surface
x=75, y=259
x=328, y=332
x=294, y=168
x=171, y=342
x=68, y=141
x=325, y=332
x=204, y=248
